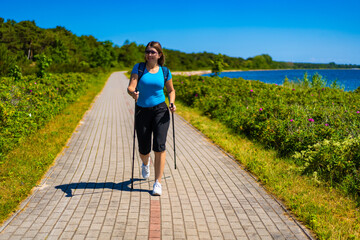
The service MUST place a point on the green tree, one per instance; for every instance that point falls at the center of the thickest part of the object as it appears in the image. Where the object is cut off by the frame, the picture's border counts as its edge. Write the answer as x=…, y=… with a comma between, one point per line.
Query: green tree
x=43, y=63
x=103, y=55
x=6, y=60
x=59, y=52
x=130, y=54
x=263, y=61
x=218, y=64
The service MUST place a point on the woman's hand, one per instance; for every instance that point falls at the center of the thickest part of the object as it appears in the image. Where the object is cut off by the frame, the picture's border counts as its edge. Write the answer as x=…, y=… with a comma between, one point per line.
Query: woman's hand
x=135, y=95
x=172, y=107
x=171, y=91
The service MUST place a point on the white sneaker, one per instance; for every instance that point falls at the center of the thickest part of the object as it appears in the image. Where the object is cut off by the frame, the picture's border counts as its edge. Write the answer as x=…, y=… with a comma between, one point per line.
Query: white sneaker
x=145, y=170
x=157, y=189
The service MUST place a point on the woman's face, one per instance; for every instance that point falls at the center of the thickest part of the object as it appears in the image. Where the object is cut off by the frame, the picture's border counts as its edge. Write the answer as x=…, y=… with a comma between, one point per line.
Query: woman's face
x=152, y=54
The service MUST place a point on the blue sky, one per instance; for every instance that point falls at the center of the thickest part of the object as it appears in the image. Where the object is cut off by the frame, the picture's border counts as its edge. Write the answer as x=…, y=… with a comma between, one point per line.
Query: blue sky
x=292, y=30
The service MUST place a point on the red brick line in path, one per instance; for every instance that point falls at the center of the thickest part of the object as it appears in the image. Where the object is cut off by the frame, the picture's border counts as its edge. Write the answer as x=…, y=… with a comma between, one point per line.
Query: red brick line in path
x=155, y=220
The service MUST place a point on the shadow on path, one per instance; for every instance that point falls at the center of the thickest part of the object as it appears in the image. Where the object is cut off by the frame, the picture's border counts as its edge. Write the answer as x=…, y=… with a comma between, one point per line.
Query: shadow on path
x=122, y=186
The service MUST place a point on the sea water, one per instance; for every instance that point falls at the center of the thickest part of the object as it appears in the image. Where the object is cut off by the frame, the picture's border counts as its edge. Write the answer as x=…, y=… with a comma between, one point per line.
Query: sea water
x=347, y=78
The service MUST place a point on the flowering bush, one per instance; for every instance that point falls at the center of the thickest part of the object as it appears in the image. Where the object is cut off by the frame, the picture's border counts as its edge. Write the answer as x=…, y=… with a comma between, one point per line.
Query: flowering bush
x=28, y=103
x=287, y=118
x=336, y=161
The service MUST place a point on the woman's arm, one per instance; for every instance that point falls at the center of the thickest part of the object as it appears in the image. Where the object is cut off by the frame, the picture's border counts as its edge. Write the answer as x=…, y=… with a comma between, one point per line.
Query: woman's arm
x=132, y=86
x=171, y=91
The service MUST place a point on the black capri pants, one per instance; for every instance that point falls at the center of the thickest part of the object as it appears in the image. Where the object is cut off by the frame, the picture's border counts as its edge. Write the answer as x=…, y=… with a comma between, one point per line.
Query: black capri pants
x=153, y=120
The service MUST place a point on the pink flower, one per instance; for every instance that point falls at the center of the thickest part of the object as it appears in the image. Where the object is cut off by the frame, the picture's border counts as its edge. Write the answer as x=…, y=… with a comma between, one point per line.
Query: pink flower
x=35, y=83
x=291, y=120
x=260, y=109
x=182, y=82
x=326, y=124
x=311, y=120
x=30, y=91
x=196, y=95
x=293, y=89
x=358, y=112
x=251, y=90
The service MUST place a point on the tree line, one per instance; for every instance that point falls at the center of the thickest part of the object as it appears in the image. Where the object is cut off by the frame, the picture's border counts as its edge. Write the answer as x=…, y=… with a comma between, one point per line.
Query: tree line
x=23, y=44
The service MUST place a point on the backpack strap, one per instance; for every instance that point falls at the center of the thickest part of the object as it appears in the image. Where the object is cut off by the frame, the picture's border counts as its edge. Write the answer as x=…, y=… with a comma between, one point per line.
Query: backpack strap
x=166, y=73
x=141, y=70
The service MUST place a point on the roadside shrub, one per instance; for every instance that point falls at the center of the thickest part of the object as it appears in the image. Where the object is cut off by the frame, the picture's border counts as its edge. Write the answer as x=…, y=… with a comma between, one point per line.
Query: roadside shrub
x=288, y=118
x=28, y=103
x=335, y=161
x=15, y=72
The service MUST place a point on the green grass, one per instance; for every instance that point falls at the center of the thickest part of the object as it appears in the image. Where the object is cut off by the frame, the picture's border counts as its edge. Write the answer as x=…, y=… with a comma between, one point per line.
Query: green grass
x=23, y=168
x=327, y=212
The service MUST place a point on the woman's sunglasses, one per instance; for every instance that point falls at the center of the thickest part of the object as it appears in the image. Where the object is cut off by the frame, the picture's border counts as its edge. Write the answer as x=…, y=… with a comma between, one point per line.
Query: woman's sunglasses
x=150, y=52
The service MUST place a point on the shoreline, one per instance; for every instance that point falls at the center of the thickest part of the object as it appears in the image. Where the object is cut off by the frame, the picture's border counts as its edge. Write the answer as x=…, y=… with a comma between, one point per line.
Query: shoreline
x=190, y=73
x=202, y=72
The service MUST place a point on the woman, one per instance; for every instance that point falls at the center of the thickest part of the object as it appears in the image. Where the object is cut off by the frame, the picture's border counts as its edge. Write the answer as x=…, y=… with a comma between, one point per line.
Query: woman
x=152, y=114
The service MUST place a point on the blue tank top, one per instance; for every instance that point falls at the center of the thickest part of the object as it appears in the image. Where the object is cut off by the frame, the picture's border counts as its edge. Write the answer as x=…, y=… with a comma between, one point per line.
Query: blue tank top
x=150, y=87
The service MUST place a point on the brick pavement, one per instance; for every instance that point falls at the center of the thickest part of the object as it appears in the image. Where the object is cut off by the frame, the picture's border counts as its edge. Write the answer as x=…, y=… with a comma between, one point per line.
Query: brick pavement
x=87, y=195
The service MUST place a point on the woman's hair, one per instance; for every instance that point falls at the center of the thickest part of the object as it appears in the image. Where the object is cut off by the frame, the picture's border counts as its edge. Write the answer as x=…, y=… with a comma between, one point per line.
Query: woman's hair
x=157, y=46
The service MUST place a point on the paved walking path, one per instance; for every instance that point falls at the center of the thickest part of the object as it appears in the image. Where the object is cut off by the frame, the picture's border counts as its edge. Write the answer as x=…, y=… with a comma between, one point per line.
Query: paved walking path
x=87, y=195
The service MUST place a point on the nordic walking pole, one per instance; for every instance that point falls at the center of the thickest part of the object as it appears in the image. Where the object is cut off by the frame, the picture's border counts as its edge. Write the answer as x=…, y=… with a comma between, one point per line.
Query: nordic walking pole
x=172, y=113
x=133, y=160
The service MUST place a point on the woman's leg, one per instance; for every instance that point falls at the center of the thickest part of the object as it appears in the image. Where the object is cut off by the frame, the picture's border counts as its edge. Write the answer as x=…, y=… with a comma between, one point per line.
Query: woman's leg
x=161, y=126
x=145, y=158
x=159, y=165
x=143, y=132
